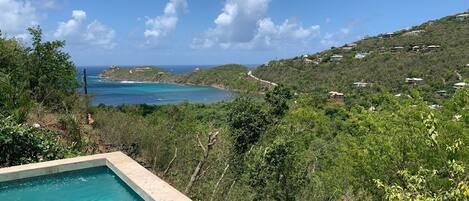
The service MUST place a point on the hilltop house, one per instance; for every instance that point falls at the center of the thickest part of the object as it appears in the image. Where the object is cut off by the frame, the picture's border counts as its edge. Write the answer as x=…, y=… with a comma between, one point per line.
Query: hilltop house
x=334, y=95
x=349, y=46
x=413, y=80
x=462, y=17
x=141, y=69
x=360, y=84
x=336, y=57
x=414, y=33
x=461, y=85
x=387, y=35
x=361, y=55
x=307, y=60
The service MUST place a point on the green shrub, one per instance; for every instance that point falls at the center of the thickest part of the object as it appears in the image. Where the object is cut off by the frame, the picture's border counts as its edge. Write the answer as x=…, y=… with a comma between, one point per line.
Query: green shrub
x=20, y=144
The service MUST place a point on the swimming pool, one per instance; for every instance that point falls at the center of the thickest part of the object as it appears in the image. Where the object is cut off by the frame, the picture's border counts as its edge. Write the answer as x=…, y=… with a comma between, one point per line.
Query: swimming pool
x=101, y=177
x=97, y=184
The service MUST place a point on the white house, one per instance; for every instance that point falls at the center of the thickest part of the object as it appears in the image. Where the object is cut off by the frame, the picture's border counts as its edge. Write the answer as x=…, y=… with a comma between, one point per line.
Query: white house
x=360, y=84
x=441, y=92
x=387, y=35
x=403, y=95
x=361, y=55
x=413, y=80
x=397, y=48
x=336, y=95
x=414, y=33
x=433, y=47
x=462, y=17
x=336, y=57
x=461, y=85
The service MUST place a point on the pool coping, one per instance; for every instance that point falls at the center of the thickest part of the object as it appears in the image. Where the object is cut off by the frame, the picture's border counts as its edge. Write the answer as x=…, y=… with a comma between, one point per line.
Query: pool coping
x=143, y=182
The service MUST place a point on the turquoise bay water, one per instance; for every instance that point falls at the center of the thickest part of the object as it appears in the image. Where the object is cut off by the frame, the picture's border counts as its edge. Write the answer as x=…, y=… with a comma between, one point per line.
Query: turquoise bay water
x=93, y=184
x=116, y=93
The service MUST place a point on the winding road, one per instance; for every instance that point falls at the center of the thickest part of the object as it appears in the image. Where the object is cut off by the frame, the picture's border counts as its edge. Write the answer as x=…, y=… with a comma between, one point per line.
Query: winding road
x=261, y=80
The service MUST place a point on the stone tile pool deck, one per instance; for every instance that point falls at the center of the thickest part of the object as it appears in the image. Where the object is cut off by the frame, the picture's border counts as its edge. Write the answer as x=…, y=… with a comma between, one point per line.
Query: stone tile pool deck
x=143, y=182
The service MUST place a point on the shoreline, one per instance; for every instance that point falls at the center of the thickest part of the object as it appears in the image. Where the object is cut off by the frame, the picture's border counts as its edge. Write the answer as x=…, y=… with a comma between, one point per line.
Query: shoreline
x=175, y=83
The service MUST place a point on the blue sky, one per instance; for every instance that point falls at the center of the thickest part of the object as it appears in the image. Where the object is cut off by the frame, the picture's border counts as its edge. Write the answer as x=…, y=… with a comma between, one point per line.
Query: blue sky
x=162, y=32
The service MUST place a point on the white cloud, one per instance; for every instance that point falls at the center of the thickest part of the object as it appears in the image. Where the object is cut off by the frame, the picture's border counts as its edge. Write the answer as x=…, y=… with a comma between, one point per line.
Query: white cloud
x=160, y=26
x=72, y=26
x=16, y=16
x=244, y=24
x=75, y=32
x=100, y=35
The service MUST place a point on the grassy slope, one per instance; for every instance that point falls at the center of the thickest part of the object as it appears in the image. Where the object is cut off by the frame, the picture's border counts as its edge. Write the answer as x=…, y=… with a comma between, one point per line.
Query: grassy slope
x=385, y=68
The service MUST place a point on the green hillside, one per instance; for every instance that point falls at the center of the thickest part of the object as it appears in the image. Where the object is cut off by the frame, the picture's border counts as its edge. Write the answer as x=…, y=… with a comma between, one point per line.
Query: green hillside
x=230, y=76
x=389, y=61
x=142, y=73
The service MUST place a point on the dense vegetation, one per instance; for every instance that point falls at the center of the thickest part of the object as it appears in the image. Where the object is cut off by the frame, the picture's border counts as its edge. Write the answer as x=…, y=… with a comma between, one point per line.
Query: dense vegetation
x=294, y=144
x=40, y=76
x=314, y=150
x=385, y=67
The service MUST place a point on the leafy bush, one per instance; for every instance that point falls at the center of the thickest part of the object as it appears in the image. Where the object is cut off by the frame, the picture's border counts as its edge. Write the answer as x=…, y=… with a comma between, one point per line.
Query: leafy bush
x=20, y=144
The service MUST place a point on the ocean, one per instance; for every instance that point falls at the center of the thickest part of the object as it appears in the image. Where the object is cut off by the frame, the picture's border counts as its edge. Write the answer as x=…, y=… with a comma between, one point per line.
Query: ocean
x=126, y=92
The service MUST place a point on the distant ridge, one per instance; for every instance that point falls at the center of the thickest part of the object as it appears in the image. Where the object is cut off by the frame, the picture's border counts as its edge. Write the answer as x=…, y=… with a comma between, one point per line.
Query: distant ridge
x=436, y=51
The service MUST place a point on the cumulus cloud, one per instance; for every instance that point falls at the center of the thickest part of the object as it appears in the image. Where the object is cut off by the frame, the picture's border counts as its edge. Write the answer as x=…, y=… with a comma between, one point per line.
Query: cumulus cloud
x=100, y=34
x=160, y=26
x=16, y=16
x=72, y=26
x=75, y=31
x=244, y=24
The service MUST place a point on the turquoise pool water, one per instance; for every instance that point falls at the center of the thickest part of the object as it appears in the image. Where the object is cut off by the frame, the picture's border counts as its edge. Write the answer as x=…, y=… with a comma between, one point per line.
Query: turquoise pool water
x=93, y=184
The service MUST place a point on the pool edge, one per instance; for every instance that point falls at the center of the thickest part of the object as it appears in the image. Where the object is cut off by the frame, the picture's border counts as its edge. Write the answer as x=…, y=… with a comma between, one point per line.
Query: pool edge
x=143, y=182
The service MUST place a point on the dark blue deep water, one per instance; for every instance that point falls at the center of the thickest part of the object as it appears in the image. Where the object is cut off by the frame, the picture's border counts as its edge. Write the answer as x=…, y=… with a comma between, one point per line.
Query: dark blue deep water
x=117, y=93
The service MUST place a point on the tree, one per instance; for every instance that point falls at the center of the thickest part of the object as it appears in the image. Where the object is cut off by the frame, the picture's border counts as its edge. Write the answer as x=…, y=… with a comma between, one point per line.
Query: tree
x=276, y=172
x=278, y=100
x=51, y=74
x=247, y=121
x=447, y=183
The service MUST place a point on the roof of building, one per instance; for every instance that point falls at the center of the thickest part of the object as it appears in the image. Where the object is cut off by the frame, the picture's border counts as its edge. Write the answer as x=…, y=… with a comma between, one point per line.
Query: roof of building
x=461, y=84
x=335, y=93
x=413, y=79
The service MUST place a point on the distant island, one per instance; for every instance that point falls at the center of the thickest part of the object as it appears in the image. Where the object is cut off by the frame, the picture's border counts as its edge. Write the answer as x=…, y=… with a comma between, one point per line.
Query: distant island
x=230, y=77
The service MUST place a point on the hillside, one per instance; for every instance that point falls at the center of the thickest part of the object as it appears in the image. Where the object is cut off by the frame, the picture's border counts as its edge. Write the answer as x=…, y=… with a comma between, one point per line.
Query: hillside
x=436, y=51
x=142, y=73
x=230, y=76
